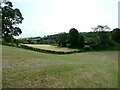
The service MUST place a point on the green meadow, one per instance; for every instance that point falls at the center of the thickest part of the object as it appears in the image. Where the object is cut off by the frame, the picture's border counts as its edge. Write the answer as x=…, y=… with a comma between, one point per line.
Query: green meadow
x=31, y=69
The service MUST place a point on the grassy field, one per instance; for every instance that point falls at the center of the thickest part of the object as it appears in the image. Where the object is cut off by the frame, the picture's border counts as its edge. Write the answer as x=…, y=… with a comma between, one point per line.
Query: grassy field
x=0, y=67
x=49, y=47
x=30, y=69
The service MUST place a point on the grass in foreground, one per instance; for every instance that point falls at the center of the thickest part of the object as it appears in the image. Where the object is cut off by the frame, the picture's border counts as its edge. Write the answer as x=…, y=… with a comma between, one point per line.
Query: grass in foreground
x=0, y=67
x=30, y=69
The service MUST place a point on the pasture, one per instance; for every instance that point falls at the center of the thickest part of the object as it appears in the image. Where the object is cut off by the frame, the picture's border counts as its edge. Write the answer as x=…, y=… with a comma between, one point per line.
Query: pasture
x=31, y=69
x=50, y=47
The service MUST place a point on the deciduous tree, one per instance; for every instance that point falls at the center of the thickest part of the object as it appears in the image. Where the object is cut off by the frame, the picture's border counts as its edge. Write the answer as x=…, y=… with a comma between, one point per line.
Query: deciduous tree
x=74, y=38
x=10, y=18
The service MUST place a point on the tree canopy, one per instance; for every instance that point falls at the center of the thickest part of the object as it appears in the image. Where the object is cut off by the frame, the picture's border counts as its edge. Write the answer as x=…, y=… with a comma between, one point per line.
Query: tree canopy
x=10, y=18
x=73, y=38
x=116, y=34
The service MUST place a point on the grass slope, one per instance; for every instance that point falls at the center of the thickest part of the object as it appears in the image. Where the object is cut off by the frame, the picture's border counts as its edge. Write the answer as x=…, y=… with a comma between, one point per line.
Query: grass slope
x=30, y=69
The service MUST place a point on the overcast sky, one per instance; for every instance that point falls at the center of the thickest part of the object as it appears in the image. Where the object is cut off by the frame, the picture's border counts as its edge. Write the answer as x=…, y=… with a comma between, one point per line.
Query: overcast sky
x=46, y=17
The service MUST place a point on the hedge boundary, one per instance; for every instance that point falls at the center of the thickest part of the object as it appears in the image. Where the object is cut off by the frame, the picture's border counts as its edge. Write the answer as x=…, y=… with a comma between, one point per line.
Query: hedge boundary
x=38, y=49
x=46, y=51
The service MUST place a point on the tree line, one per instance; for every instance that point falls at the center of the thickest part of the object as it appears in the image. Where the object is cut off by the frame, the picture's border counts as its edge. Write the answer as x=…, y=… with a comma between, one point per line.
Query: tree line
x=101, y=37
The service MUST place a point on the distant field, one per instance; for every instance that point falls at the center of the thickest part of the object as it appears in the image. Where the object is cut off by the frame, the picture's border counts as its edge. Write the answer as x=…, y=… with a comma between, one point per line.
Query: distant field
x=49, y=47
x=30, y=69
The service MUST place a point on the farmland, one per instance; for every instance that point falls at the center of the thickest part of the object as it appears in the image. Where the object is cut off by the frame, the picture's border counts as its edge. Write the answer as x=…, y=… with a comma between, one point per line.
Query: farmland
x=49, y=47
x=31, y=69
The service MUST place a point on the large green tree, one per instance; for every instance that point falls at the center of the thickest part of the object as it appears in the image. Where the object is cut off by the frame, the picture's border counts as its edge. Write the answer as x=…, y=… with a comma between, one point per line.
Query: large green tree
x=10, y=18
x=74, y=38
x=116, y=35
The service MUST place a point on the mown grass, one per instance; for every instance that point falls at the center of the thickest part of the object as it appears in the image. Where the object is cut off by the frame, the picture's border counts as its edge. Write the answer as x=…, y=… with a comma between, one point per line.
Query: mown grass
x=30, y=69
x=50, y=47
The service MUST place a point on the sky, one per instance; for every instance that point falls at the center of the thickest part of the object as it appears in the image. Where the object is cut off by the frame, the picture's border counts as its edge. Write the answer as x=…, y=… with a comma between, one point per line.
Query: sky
x=47, y=17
